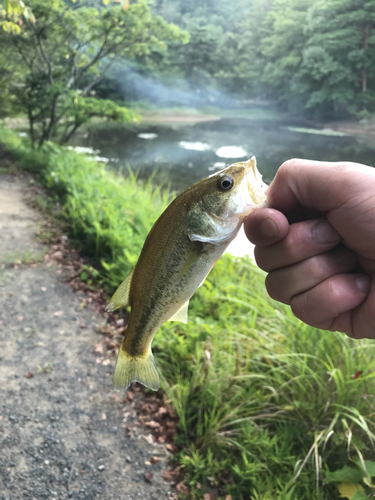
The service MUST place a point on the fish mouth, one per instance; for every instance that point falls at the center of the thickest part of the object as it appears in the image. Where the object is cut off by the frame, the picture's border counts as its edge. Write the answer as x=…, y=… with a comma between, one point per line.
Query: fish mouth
x=255, y=184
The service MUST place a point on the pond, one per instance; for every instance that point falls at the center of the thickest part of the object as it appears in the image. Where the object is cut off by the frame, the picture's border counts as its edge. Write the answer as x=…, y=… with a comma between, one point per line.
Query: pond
x=185, y=154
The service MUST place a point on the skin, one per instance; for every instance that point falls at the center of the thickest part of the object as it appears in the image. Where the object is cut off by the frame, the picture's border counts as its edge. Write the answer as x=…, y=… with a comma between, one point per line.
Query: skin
x=317, y=244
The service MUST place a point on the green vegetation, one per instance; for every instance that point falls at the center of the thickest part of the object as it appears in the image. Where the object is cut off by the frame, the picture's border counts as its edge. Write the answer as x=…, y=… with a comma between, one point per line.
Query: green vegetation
x=52, y=65
x=64, y=63
x=269, y=408
x=313, y=57
x=11, y=14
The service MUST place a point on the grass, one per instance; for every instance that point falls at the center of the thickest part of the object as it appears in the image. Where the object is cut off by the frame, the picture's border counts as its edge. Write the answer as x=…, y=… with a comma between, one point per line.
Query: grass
x=26, y=257
x=269, y=408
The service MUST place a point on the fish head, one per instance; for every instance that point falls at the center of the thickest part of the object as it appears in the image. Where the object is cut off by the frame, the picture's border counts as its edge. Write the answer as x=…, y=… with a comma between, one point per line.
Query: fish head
x=221, y=202
x=234, y=191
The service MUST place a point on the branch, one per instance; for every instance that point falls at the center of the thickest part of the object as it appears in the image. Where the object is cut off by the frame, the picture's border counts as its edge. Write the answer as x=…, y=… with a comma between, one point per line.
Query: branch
x=44, y=56
x=52, y=121
x=87, y=89
x=66, y=137
x=20, y=51
x=98, y=56
x=57, y=20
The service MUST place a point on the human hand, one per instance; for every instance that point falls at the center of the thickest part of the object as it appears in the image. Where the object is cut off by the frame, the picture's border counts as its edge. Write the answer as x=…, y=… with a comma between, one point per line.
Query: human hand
x=317, y=242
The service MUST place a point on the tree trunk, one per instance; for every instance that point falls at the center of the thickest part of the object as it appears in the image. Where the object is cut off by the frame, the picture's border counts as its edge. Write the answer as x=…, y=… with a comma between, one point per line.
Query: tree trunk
x=366, y=36
x=31, y=127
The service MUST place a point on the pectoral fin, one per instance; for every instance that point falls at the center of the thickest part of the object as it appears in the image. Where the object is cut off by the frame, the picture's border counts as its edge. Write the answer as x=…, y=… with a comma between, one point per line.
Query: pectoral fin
x=181, y=314
x=121, y=296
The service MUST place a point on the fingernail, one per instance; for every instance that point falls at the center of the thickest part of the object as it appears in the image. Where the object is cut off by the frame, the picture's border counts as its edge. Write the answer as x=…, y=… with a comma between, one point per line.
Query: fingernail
x=324, y=233
x=268, y=228
x=363, y=283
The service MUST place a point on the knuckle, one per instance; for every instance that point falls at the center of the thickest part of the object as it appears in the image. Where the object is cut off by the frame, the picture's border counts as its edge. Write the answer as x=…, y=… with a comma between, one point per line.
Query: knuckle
x=292, y=248
x=300, y=308
x=333, y=291
x=287, y=166
x=320, y=267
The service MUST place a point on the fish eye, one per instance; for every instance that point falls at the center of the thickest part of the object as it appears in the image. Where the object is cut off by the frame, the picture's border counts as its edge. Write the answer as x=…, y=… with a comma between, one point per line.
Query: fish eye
x=225, y=183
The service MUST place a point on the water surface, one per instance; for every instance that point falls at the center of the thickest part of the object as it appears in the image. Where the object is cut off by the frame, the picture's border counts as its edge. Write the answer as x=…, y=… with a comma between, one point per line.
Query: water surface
x=185, y=154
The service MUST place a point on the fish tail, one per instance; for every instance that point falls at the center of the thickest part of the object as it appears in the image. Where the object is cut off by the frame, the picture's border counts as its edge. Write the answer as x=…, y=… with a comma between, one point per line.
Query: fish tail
x=140, y=369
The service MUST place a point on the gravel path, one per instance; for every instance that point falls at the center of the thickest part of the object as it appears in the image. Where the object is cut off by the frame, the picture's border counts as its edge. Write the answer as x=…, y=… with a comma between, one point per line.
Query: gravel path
x=62, y=431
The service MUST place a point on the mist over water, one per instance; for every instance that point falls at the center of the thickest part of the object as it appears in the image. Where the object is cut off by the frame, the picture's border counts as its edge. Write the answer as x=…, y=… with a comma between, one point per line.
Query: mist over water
x=137, y=84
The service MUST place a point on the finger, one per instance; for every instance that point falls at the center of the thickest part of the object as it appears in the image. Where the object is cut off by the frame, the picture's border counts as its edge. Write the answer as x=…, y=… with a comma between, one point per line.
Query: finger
x=283, y=284
x=266, y=226
x=303, y=240
x=320, y=306
x=318, y=185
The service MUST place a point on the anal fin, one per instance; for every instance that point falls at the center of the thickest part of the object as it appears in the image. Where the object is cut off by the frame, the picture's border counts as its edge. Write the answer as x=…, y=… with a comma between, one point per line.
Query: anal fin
x=121, y=296
x=181, y=314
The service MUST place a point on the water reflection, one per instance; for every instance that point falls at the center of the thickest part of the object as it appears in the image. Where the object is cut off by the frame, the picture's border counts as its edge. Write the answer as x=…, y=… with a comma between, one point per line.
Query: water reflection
x=231, y=152
x=187, y=154
x=147, y=135
x=195, y=146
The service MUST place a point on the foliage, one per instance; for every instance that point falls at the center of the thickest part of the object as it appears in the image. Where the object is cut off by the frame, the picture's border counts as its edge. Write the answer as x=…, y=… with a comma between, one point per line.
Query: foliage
x=11, y=14
x=314, y=56
x=310, y=56
x=282, y=44
x=268, y=406
x=217, y=48
x=338, y=60
x=320, y=55
x=10, y=72
x=68, y=51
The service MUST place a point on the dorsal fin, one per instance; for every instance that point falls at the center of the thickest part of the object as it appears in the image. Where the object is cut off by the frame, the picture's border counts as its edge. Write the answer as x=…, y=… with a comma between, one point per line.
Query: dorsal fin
x=121, y=296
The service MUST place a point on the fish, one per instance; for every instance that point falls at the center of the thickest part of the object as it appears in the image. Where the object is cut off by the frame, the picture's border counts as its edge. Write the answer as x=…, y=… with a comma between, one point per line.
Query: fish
x=179, y=252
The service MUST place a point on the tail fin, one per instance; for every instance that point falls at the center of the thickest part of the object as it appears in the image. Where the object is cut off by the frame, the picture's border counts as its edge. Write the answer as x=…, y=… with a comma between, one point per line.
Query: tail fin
x=140, y=369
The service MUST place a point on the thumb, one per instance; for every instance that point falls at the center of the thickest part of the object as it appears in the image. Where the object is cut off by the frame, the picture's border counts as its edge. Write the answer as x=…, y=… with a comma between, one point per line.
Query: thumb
x=321, y=186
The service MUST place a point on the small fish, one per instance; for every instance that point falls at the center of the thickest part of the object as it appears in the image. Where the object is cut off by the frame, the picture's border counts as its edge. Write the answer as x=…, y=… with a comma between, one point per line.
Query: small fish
x=179, y=252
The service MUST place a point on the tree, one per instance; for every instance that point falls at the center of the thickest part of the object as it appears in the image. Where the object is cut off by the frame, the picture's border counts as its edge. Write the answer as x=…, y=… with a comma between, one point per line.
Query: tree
x=217, y=54
x=339, y=57
x=281, y=46
x=68, y=51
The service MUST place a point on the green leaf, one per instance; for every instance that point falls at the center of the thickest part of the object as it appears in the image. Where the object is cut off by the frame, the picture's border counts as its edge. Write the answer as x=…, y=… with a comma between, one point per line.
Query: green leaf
x=346, y=474
x=359, y=495
x=370, y=467
x=348, y=490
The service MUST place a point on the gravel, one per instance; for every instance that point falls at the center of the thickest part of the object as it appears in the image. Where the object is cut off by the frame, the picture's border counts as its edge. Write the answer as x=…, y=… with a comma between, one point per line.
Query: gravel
x=54, y=443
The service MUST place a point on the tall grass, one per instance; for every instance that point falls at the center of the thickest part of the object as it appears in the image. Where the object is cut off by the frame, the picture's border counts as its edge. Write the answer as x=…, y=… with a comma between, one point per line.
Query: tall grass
x=261, y=396
x=268, y=407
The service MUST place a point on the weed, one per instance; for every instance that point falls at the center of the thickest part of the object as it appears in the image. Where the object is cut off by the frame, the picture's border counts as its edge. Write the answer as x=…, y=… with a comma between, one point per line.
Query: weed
x=269, y=408
x=46, y=368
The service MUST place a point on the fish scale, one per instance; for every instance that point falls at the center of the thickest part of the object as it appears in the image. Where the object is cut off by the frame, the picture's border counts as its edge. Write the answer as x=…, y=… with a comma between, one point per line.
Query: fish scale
x=179, y=252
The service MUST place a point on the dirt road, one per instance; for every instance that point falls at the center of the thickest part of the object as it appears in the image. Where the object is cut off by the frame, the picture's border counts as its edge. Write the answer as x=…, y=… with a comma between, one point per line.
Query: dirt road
x=62, y=431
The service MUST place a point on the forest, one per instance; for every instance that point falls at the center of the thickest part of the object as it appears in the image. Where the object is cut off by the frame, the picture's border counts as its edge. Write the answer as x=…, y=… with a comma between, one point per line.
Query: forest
x=309, y=58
